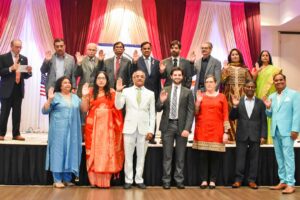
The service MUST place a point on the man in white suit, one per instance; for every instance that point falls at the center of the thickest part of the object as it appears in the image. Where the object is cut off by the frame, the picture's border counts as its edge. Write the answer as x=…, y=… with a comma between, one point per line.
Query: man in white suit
x=138, y=126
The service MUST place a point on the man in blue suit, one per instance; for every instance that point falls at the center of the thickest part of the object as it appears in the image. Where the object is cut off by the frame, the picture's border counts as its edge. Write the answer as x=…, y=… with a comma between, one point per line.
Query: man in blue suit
x=284, y=108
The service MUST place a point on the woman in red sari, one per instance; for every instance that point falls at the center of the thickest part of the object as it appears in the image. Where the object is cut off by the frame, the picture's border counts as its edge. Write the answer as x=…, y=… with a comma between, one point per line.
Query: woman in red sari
x=103, y=133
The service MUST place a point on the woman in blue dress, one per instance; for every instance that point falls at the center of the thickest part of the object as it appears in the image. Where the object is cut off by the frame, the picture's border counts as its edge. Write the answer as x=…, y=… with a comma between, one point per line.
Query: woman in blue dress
x=64, y=139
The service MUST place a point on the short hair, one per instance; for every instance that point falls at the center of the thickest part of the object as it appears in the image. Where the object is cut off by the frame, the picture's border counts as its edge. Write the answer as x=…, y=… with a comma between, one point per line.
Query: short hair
x=209, y=43
x=284, y=77
x=58, y=83
x=175, y=42
x=259, y=61
x=58, y=40
x=250, y=81
x=177, y=69
x=13, y=41
x=146, y=42
x=211, y=76
x=138, y=70
x=119, y=42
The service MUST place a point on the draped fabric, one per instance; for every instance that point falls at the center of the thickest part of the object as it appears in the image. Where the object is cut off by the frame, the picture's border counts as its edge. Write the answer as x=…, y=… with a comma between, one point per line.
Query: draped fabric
x=14, y=24
x=4, y=12
x=192, y=11
x=252, y=12
x=240, y=31
x=170, y=17
x=75, y=22
x=54, y=16
x=96, y=21
x=149, y=10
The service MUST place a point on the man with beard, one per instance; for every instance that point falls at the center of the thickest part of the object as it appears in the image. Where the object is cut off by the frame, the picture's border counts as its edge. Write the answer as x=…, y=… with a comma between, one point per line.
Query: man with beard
x=284, y=109
x=177, y=104
x=176, y=61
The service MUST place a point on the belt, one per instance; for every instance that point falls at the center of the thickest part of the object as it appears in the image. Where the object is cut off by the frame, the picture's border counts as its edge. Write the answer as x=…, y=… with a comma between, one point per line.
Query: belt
x=173, y=120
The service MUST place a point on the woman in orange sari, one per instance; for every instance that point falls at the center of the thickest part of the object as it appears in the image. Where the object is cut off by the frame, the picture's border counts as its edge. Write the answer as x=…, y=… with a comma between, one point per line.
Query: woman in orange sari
x=103, y=133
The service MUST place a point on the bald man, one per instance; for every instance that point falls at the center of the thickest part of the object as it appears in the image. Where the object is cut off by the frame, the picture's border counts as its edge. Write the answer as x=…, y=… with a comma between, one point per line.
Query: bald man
x=85, y=66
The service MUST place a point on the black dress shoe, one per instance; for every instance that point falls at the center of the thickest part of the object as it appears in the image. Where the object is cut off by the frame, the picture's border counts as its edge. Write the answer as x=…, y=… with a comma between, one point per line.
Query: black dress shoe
x=141, y=185
x=212, y=187
x=180, y=186
x=127, y=186
x=152, y=141
x=166, y=186
x=203, y=186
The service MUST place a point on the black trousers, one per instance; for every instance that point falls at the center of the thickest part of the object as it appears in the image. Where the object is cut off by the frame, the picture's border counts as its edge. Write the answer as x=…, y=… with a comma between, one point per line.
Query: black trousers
x=209, y=165
x=14, y=102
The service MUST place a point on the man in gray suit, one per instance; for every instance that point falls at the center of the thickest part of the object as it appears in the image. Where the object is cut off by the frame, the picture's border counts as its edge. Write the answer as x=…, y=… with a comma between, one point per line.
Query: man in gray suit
x=86, y=66
x=175, y=60
x=117, y=66
x=177, y=103
x=59, y=64
x=205, y=66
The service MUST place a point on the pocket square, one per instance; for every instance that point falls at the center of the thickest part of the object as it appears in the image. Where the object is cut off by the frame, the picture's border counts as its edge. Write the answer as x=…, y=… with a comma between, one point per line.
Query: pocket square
x=287, y=99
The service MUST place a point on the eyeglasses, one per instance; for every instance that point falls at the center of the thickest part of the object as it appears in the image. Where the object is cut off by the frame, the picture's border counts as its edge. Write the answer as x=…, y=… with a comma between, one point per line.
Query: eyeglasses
x=101, y=78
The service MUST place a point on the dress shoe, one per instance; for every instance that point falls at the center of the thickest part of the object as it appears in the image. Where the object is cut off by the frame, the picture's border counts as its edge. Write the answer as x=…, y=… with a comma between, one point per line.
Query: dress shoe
x=280, y=186
x=166, y=186
x=203, y=185
x=58, y=185
x=19, y=137
x=236, y=184
x=212, y=185
x=288, y=190
x=141, y=185
x=68, y=184
x=1, y=137
x=253, y=185
x=152, y=141
x=127, y=186
x=180, y=186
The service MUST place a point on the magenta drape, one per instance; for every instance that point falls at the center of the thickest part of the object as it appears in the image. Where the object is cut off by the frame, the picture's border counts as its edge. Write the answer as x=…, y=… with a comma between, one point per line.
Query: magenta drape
x=54, y=17
x=150, y=16
x=96, y=21
x=4, y=12
x=240, y=31
x=170, y=16
x=192, y=11
x=252, y=13
x=75, y=20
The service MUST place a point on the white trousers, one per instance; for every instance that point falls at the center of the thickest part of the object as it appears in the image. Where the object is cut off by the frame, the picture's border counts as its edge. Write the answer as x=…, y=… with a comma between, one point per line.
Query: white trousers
x=130, y=142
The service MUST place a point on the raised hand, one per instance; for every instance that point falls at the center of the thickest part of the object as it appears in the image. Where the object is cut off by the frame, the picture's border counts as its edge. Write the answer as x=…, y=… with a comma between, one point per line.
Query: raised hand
x=85, y=89
x=101, y=55
x=258, y=69
x=267, y=102
x=48, y=55
x=162, y=66
x=163, y=96
x=193, y=57
x=235, y=100
x=135, y=56
x=29, y=69
x=225, y=64
x=51, y=93
x=119, y=86
x=199, y=96
x=79, y=58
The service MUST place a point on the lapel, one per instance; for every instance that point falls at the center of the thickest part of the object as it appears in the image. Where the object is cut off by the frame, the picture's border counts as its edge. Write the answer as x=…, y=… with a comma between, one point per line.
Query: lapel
x=180, y=97
x=168, y=101
x=143, y=65
x=66, y=59
x=282, y=99
x=10, y=59
x=254, y=107
x=209, y=65
x=243, y=106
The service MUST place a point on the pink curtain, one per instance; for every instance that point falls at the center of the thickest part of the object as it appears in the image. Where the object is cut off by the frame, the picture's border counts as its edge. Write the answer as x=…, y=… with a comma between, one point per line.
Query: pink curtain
x=240, y=31
x=192, y=10
x=4, y=12
x=149, y=10
x=54, y=16
x=96, y=21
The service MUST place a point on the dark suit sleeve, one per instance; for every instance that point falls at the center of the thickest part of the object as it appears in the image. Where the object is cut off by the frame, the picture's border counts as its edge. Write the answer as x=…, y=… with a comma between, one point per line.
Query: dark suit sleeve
x=159, y=105
x=45, y=68
x=189, y=72
x=264, y=129
x=78, y=71
x=190, y=112
x=218, y=73
x=73, y=69
x=4, y=70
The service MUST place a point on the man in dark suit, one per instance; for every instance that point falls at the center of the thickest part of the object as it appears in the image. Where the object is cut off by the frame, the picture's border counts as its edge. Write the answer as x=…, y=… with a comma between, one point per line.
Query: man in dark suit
x=150, y=66
x=205, y=66
x=251, y=131
x=117, y=66
x=176, y=61
x=177, y=103
x=12, y=88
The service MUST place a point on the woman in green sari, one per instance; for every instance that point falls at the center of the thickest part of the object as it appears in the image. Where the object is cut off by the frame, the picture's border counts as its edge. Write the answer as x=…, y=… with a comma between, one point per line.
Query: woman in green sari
x=264, y=80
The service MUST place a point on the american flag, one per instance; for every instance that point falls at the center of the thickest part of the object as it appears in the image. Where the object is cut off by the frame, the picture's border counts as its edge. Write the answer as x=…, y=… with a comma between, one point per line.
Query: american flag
x=43, y=83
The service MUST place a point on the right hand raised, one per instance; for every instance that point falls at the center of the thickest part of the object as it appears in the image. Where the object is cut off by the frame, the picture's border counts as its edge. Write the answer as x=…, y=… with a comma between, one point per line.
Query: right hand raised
x=267, y=102
x=85, y=89
x=79, y=58
x=48, y=55
x=51, y=93
x=163, y=96
x=199, y=96
x=225, y=64
x=235, y=100
x=119, y=86
x=162, y=66
x=101, y=55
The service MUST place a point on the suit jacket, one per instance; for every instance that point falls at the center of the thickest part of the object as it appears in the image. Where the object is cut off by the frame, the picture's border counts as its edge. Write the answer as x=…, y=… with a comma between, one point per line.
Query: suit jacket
x=49, y=68
x=124, y=70
x=86, y=73
x=286, y=114
x=187, y=67
x=186, y=109
x=213, y=67
x=8, y=78
x=254, y=127
x=152, y=81
x=137, y=116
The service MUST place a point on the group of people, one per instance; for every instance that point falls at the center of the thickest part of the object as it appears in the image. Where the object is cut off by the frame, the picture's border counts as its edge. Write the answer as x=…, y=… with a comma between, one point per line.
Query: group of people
x=116, y=101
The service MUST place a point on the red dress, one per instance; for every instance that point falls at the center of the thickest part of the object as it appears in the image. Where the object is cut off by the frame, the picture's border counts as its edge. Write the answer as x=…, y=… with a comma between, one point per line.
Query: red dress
x=210, y=123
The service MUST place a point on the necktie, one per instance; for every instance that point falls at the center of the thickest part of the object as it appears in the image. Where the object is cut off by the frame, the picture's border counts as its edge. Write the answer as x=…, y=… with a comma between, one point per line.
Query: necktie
x=117, y=67
x=148, y=66
x=174, y=104
x=138, y=96
x=175, y=62
x=18, y=73
x=91, y=64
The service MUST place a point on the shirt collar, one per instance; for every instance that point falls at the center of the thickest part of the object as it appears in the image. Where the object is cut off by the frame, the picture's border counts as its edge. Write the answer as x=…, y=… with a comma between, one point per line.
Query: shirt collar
x=248, y=99
x=149, y=58
x=178, y=86
x=206, y=59
x=135, y=87
x=178, y=57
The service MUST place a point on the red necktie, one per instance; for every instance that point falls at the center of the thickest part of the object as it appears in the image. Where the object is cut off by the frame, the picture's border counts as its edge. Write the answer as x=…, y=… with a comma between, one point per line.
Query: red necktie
x=117, y=67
